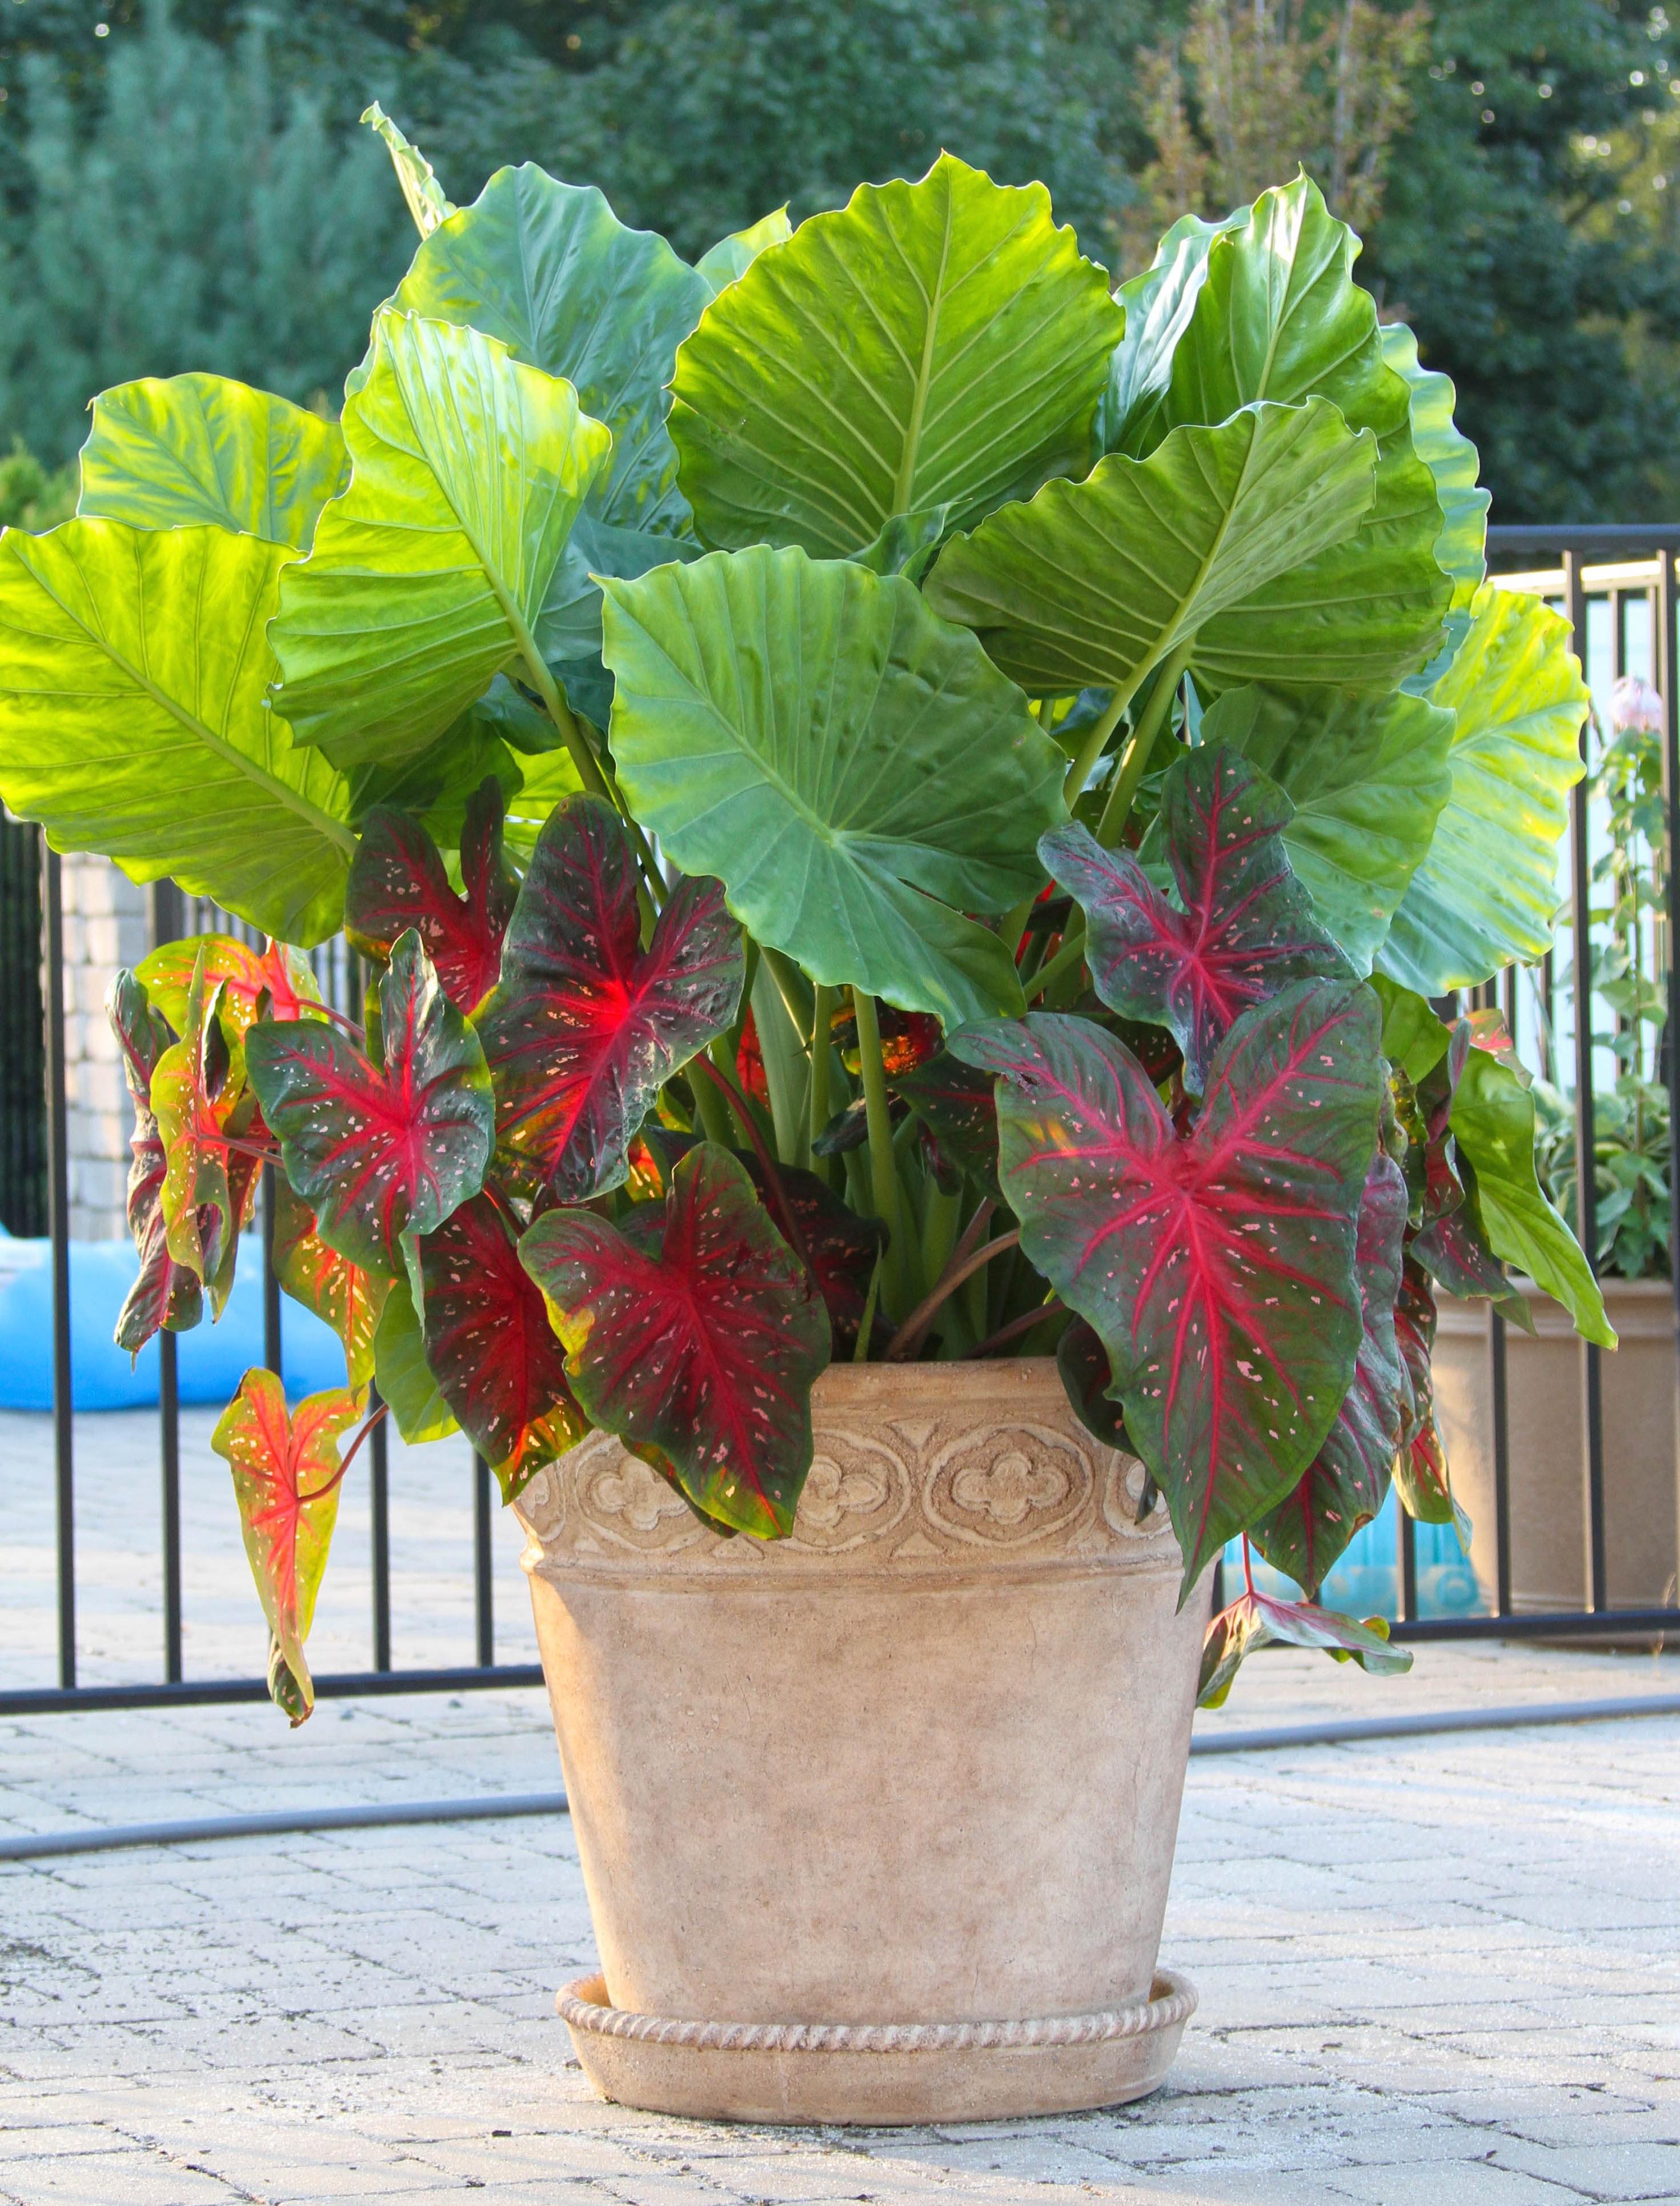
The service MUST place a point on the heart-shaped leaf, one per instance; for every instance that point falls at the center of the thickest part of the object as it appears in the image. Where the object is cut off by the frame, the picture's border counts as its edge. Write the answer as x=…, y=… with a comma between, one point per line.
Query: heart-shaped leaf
x=1217, y=1269
x=133, y=720
x=286, y=1478
x=1486, y=894
x=428, y=573
x=490, y=1345
x=1086, y=1376
x=166, y=1296
x=1247, y=928
x=398, y=881
x=1420, y=1475
x=1093, y=582
x=931, y=343
x=405, y=1380
x=586, y=1027
x=839, y=759
x=1255, y=1620
x=199, y=1099
x=281, y=975
x=177, y=451
x=1460, y=549
x=340, y=1293
x=699, y=1355
x=729, y=259
x=1346, y=1482
x=956, y=1104
x=549, y=270
x=379, y=1155
x=421, y=187
x=1366, y=772
x=1159, y=304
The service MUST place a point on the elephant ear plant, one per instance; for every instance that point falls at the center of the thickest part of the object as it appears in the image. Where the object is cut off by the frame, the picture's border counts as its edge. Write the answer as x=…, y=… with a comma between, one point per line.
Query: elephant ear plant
x=900, y=804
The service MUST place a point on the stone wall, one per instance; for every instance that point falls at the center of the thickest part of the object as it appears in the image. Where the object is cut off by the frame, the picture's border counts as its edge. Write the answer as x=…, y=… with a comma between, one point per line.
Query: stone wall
x=105, y=926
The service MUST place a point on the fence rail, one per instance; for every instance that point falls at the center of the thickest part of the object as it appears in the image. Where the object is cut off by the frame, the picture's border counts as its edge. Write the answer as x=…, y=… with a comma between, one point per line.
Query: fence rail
x=1632, y=563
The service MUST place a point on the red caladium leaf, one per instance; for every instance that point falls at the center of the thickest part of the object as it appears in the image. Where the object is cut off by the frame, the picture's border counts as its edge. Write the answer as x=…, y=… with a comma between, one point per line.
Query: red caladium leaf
x=1217, y=1267
x=279, y=973
x=1346, y=1481
x=398, y=881
x=202, y=1108
x=379, y=1155
x=1254, y=1619
x=491, y=1349
x=1248, y=927
x=286, y=1476
x=1420, y=1468
x=700, y=1354
x=166, y=1296
x=1087, y=1375
x=954, y=1103
x=340, y=1293
x=587, y=1026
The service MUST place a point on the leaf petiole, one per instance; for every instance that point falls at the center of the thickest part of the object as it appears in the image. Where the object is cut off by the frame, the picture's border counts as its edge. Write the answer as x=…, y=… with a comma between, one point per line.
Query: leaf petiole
x=321, y=1493
x=1135, y=761
x=1071, y=954
x=962, y=1265
x=882, y=1159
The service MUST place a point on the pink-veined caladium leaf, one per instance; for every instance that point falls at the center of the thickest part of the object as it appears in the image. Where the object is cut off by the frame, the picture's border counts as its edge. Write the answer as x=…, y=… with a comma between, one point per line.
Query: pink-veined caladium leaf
x=1247, y=928
x=166, y=1296
x=398, y=881
x=1451, y=1243
x=955, y=1105
x=340, y=1293
x=286, y=1478
x=1255, y=1619
x=280, y=974
x=379, y=1155
x=1421, y=1477
x=586, y=1026
x=203, y=1109
x=695, y=1336
x=1217, y=1267
x=491, y=1348
x=1346, y=1481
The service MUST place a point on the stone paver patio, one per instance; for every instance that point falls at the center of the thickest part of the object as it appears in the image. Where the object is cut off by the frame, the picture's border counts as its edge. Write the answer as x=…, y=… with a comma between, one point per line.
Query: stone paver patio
x=1443, y=1970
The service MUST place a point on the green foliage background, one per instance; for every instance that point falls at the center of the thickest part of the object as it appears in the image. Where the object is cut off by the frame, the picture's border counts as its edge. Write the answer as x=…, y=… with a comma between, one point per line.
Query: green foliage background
x=188, y=189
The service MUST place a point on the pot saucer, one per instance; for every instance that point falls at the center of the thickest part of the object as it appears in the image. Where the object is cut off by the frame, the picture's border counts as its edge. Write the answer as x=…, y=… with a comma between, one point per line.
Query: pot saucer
x=877, y=2072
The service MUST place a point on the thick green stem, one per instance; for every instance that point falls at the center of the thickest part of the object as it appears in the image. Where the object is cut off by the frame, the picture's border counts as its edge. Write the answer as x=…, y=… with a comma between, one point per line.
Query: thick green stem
x=1136, y=760
x=1071, y=953
x=822, y=1015
x=883, y=1163
x=1095, y=743
x=596, y=774
x=714, y=1112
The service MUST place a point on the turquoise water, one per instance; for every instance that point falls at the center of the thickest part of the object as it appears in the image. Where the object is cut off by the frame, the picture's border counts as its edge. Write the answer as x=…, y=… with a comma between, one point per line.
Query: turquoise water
x=1365, y=1581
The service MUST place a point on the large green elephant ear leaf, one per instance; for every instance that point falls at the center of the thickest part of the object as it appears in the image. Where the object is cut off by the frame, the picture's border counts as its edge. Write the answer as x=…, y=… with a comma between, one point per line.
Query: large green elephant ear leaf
x=467, y=470
x=180, y=450
x=133, y=720
x=1366, y=771
x=1157, y=305
x=421, y=187
x=1278, y=316
x=549, y=270
x=853, y=770
x=935, y=344
x=1451, y=457
x=730, y=258
x=1093, y=582
x=1487, y=895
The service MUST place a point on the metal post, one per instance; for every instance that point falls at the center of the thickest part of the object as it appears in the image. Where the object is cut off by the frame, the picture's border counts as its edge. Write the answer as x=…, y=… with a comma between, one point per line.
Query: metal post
x=380, y=1515
x=482, y=1588
x=1666, y=655
x=58, y=1210
x=270, y=1278
x=1497, y=1379
x=166, y=926
x=1407, y=1539
x=1581, y=873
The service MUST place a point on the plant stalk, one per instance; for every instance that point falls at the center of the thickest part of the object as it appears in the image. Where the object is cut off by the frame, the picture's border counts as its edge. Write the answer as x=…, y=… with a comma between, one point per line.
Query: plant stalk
x=1085, y=764
x=1134, y=764
x=1071, y=953
x=1016, y=1328
x=908, y=1338
x=596, y=775
x=883, y=1163
x=767, y=1165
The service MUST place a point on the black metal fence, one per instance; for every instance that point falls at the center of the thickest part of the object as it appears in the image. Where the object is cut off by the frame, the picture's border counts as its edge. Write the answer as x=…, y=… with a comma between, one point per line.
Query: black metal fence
x=33, y=1156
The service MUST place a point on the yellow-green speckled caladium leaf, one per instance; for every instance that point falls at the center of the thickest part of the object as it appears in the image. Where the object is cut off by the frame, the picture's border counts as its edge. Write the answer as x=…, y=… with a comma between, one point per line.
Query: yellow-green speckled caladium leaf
x=467, y=471
x=1486, y=894
x=549, y=270
x=177, y=451
x=1278, y=316
x=1093, y=582
x=1367, y=771
x=934, y=344
x=133, y=720
x=852, y=768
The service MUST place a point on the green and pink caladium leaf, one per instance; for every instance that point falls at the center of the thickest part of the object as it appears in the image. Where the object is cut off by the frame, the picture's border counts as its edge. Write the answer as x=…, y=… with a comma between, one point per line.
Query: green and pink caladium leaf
x=1087, y=1375
x=1255, y=1619
x=166, y=1296
x=959, y=1114
x=340, y=1293
x=491, y=1348
x=1216, y=1265
x=1247, y=928
x=379, y=1155
x=586, y=1026
x=1346, y=1481
x=278, y=973
x=695, y=1336
x=398, y=881
x=203, y=1109
x=1420, y=1474
x=286, y=1474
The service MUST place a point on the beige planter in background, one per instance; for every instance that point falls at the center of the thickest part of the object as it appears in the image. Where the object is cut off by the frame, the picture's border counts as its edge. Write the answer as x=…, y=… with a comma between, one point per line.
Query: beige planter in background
x=876, y=1823
x=1548, y=1547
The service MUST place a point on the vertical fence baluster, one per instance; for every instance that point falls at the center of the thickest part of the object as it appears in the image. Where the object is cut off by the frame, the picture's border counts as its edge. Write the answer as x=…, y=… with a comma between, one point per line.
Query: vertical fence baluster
x=1580, y=879
x=166, y=926
x=59, y=1207
x=1665, y=654
x=270, y=1278
x=379, y=1496
x=484, y=1616
x=1406, y=1535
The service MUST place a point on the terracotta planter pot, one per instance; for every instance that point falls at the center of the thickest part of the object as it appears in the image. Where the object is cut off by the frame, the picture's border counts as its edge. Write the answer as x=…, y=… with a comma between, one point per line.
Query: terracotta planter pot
x=876, y=1822
x=1548, y=1447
